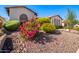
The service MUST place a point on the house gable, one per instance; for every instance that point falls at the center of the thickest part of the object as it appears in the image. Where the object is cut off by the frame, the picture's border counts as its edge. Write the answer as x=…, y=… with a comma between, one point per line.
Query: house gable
x=15, y=12
x=56, y=17
x=7, y=8
x=56, y=20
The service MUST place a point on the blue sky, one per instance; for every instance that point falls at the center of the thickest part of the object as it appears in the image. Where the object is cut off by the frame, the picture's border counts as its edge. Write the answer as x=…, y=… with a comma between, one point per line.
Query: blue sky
x=46, y=10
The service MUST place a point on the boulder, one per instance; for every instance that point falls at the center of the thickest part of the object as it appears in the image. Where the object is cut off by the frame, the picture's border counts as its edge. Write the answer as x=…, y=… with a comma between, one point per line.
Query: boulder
x=2, y=40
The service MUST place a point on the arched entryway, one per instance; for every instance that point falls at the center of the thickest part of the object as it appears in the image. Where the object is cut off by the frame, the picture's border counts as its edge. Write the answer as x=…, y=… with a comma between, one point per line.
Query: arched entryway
x=23, y=18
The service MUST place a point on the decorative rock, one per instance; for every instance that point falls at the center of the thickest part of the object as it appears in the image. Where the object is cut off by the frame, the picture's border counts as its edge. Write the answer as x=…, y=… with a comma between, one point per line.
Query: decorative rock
x=57, y=32
x=77, y=51
x=60, y=43
x=2, y=39
x=67, y=30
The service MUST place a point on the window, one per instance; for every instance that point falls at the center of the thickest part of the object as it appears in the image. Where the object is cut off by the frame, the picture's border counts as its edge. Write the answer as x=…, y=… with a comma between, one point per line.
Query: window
x=23, y=18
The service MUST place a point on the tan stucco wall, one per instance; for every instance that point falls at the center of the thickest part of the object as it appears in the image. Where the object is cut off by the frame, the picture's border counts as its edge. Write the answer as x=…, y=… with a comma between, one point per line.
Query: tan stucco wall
x=56, y=21
x=16, y=12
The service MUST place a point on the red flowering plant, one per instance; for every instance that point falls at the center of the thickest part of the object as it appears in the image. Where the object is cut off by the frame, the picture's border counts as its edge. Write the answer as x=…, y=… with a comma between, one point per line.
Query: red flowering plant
x=29, y=29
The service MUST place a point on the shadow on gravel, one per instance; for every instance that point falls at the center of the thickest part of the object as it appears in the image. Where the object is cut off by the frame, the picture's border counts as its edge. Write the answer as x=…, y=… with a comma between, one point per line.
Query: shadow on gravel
x=8, y=32
x=43, y=38
x=8, y=46
x=57, y=32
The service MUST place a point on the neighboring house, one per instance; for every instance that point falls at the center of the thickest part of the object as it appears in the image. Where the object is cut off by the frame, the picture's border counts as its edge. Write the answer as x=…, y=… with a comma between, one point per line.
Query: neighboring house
x=64, y=23
x=21, y=13
x=76, y=25
x=56, y=20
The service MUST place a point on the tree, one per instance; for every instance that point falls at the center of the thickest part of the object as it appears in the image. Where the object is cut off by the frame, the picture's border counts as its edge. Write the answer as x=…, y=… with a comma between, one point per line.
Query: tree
x=71, y=18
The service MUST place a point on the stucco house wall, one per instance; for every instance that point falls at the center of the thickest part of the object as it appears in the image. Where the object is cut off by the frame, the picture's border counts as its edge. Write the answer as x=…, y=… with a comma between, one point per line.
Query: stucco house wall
x=16, y=11
x=56, y=20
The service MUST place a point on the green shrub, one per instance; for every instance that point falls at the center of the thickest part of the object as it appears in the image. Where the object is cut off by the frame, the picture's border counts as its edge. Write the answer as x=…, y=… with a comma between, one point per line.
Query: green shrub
x=76, y=28
x=43, y=20
x=47, y=27
x=58, y=27
x=67, y=27
x=12, y=25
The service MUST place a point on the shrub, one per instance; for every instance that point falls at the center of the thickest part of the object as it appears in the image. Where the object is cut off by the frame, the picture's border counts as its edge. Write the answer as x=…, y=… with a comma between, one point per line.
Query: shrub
x=29, y=29
x=68, y=27
x=76, y=28
x=58, y=27
x=31, y=25
x=41, y=38
x=12, y=25
x=47, y=27
x=43, y=20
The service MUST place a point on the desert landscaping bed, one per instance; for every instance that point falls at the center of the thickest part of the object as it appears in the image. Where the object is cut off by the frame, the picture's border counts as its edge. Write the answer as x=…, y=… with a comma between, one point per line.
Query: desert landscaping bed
x=65, y=42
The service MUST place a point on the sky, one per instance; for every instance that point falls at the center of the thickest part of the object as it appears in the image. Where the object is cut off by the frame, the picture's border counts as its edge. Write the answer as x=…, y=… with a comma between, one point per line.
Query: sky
x=46, y=10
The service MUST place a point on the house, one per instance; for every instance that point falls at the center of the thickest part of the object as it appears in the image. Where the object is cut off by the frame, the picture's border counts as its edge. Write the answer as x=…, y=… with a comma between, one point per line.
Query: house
x=56, y=20
x=64, y=23
x=21, y=13
x=76, y=25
